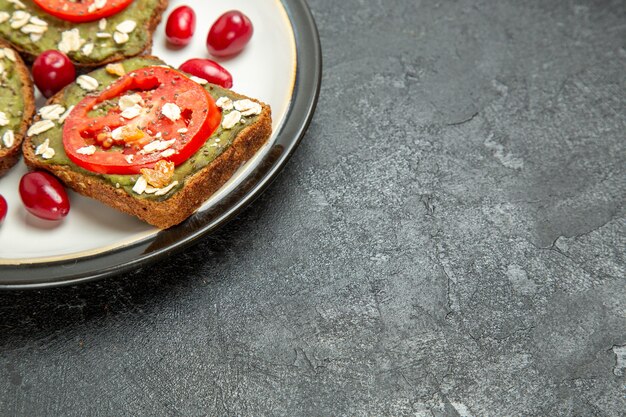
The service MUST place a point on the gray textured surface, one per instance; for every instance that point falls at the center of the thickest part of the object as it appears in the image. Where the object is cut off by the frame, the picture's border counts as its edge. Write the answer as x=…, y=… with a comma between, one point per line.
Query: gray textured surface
x=448, y=240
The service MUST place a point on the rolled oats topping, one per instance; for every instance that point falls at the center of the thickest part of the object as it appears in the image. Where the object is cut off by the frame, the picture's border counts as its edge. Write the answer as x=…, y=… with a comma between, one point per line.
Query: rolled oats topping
x=129, y=100
x=8, y=138
x=19, y=19
x=51, y=112
x=165, y=190
x=86, y=150
x=87, y=49
x=67, y=113
x=70, y=41
x=37, y=21
x=96, y=5
x=167, y=153
x=199, y=80
x=247, y=107
x=102, y=24
x=224, y=103
x=45, y=150
x=87, y=83
x=17, y=4
x=171, y=111
x=103, y=35
x=157, y=145
x=35, y=29
x=4, y=16
x=4, y=120
x=120, y=37
x=231, y=119
x=39, y=127
x=127, y=26
x=132, y=111
x=10, y=54
x=140, y=185
x=117, y=133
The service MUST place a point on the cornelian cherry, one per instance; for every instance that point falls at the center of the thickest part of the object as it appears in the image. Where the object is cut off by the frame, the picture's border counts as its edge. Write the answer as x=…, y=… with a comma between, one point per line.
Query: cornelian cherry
x=3, y=208
x=209, y=70
x=52, y=70
x=44, y=196
x=180, y=26
x=229, y=34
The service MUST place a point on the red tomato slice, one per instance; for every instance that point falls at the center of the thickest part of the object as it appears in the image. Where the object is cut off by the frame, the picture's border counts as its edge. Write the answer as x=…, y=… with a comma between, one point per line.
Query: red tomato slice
x=82, y=11
x=124, y=142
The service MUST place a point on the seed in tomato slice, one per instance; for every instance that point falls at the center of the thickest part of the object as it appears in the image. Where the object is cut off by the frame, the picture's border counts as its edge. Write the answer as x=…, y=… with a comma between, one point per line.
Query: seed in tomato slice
x=52, y=70
x=180, y=26
x=209, y=70
x=229, y=34
x=3, y=208
x=44, y=196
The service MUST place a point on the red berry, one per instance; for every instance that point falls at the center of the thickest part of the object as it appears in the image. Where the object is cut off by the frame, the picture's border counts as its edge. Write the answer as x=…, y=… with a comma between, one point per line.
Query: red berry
x=53, y=70
x=209, y=70
x=180, y=26
x=3, y=208
x=229, y=34
x=44, y=196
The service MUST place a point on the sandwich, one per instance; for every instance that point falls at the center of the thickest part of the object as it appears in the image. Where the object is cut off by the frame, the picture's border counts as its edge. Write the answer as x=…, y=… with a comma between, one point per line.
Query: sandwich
x=17, y=105
x=145, y=138
x=90, y=32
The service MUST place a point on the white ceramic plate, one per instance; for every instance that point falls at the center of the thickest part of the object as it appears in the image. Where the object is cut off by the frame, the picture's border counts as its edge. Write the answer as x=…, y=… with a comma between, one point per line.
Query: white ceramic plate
x=281, y=66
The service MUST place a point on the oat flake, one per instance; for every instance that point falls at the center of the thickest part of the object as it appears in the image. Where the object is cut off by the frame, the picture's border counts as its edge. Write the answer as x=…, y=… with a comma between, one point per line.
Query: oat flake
x=140, y=185
x=120, y=37
x=231, y=119
x=8, y=139
x=87, y=83
x=171, y=111
x=224, y=103
x=86, y=150
x=127, y=26
x=132, y=111
x=39, y=127
x=51, y=112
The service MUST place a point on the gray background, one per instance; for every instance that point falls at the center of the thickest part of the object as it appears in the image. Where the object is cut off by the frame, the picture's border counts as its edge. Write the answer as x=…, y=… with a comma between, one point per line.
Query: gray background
x=447, y=240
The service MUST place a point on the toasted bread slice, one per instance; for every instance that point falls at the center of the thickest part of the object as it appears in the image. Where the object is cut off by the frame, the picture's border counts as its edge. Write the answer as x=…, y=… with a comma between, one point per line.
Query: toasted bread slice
x=31, y=31
x=198, y=181
x=17, y=104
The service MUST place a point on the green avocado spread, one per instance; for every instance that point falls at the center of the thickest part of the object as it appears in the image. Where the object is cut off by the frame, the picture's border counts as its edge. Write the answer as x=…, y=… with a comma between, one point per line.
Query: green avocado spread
x=96, y=41
x=11, y=97
x=214, y=146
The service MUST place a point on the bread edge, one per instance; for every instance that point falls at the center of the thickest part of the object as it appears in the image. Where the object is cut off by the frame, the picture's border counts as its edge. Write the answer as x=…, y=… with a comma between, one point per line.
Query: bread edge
x=196, y=190
x=10, y=156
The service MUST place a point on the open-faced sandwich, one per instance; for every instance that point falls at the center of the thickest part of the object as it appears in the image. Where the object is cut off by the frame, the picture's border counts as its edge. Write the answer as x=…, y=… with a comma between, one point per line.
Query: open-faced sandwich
x=90, y=32
x=145, y=138
x=17, y=106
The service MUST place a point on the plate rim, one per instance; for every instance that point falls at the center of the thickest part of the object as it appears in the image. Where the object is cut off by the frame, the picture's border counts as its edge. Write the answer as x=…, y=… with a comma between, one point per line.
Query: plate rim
x=306, y=90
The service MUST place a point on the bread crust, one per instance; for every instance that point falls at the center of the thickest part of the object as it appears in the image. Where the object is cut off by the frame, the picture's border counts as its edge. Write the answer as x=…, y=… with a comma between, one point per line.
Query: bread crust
x=149, y=27
x=10, y=156
x=197, y=189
